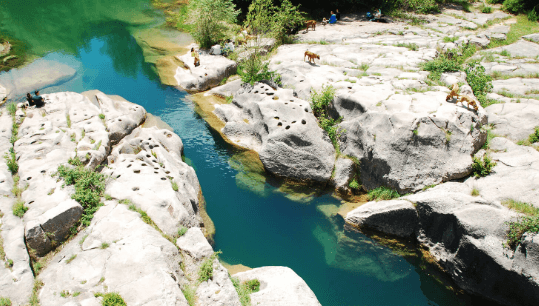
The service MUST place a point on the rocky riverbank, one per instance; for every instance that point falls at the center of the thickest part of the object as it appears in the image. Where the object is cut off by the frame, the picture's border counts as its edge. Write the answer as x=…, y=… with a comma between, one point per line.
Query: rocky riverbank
x=399, y=130
x=147, y=241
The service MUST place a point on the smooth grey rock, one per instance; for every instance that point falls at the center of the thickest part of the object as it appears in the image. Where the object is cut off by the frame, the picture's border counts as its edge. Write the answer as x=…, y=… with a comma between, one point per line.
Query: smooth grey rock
x=282, y=129
x=215, y=50
x=16, y=282
x=195, y=244
x=514, y=120
x=143, y=166
x=526, y=260
x=515, y=176
x=518, y=86
x=218, y=290
x=498, y=36
x=397, y=217
x=343, y=174
x=139, y=264
x=226, y=90
x=212, y=69
x=479, y=41
x=279, y=286
x=450, y=78
x=466, y=235
x=520, y=48
x=533, y=37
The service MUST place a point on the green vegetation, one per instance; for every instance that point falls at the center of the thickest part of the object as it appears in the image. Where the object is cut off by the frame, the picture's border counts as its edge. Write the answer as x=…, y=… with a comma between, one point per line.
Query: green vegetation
x=19, y=208
x=382, y=193
x=182, y=230
x=102, y=116
x=448, y=39
x=526, y=224
x=68, y=121
x=189, y=293
x=34, y=298
x=64, y=293
x=482, y=167
x=111, y=299
x=74, y=161
x=319, y=103
x=89, y=188
x=17, y=55
x=522, y=27
x=205, y=271
x=212, y=20
x=229, y=99
x=485, y=9
x=70, y=259
x=410, y=46
x=521, y=207
x=475, y=192
x=266, y=18
x=5, y=301
x=534, y=137
x=104, y=245
x=244, y=289
x=11, y=161
x=174, y=185
x=354, y=184
x=479, y=81
x=449, y=61
x=255, y=69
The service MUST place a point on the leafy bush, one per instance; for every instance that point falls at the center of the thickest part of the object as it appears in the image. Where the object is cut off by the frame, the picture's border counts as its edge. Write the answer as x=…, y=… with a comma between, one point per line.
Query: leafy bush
x=19, y=209
x=519, y=227
x=255, y=69
x=486, y=9
x=479, y=81
x=264, y=18
x=513, y=6
x=5, y=301
x=11, y=161
x=442, y=63
x=354, y=184
x=382, y=193
x=419, y=6
x=482, y=167
x=89, y=188
x=212, y=20
x=320, y=100
x=532, y=15
x=245, y=289
x=112, y=299
x=534, y=137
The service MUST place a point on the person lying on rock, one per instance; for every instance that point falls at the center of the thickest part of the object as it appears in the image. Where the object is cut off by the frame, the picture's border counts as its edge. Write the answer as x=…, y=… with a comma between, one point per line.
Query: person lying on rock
x=333, y=18
x=195, y=55
x=37, y=100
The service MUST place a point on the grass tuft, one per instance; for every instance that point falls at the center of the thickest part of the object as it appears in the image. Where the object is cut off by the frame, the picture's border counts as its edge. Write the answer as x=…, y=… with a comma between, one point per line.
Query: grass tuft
x=382, y=193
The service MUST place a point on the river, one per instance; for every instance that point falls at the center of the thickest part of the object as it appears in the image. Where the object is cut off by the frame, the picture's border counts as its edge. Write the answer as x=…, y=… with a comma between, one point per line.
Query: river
x=257, y=223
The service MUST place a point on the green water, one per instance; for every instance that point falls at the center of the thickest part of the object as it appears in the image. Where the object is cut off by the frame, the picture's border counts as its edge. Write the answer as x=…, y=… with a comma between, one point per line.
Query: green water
x=257, y=223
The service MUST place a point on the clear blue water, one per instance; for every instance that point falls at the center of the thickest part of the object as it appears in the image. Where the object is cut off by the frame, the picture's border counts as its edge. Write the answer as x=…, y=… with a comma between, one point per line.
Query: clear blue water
x=256, y=224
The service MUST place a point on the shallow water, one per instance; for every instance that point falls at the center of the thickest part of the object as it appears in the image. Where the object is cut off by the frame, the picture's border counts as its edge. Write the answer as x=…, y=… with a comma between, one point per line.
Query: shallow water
x=257, y=224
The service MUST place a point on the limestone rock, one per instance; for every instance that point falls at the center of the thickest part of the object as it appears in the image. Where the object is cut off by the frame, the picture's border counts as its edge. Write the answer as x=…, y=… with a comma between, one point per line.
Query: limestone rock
x=397, y=217
x=514, y=177
x=514, y=120
x=118, y=253
x=480, y=41
x=195, y=244
x=450, y=78
x=533, y=37
x=212, y=69
x=16, y=281
x=520, y=48
x=53, y=225
x=466, y=235
x=215, y=50
x=3, y=92
x=520, y=86
x=345, y=170
x=218, y=290
x=279, y=286
x=145, y=166
x=282, y=129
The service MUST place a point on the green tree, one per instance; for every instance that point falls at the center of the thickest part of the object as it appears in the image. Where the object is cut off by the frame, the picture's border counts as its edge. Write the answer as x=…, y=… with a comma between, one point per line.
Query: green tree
x=212, y=20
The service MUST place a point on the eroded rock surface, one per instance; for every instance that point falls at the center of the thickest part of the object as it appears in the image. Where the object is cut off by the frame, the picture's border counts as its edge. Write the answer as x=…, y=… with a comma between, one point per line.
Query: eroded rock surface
x=282, y=129
x=279, y=286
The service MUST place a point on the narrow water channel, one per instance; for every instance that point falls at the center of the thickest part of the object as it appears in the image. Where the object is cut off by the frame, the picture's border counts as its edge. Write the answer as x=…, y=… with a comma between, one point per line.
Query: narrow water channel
x=256, y=223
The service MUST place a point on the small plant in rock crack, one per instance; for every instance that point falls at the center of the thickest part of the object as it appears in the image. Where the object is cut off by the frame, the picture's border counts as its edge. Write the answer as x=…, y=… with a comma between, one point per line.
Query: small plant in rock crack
x=19, y=208
x=205, y=271
x=111, y=299
x=534, y=137
x=482, y=167
x=11, y=161
x=182, y=231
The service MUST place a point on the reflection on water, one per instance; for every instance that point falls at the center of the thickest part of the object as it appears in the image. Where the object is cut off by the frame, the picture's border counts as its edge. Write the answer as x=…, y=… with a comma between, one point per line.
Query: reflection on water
x=259, y=220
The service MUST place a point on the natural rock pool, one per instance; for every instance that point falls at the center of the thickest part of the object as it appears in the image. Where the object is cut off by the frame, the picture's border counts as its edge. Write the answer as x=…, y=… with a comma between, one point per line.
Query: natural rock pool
x=257, y=223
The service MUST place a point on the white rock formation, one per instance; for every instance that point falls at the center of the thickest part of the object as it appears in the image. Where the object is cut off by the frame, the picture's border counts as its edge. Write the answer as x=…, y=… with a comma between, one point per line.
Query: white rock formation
x=279, y=286
x=212, y=69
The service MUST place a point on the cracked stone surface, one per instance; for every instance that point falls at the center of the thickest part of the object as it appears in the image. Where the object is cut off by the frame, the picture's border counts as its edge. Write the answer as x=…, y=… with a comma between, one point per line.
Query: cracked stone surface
x=514, y=120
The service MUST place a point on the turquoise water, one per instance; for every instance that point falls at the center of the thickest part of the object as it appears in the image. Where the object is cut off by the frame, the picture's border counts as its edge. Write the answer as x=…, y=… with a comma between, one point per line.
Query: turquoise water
x=256, y=224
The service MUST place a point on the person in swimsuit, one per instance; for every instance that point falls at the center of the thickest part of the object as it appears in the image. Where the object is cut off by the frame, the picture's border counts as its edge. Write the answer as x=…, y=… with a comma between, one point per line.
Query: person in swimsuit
x=195, y=55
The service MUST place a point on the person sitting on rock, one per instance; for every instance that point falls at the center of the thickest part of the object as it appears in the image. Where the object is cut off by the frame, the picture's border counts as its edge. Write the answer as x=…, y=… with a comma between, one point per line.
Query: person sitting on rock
x=195, y=55
x=377, y=15
x=333, y=18
x=37, y=100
